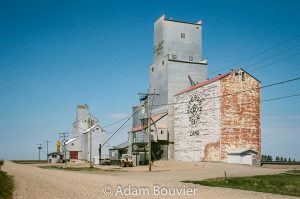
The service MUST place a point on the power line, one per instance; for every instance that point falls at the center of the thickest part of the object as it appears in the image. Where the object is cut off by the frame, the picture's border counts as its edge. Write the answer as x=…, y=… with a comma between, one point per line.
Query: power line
x=261, y=101
x=266, y=86
x=64, y=136
x=257, y=54
x=276, y=62
x=270, y=57
x=102, y=128
x=269, y=85
x=124, y=123
x=282, y=97
x=100, y=146
x=106, y=125
x=120, y=120
x=47, y=141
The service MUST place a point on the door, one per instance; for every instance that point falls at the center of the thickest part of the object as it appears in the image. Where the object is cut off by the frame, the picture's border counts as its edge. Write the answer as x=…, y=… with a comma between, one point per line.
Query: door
x=247, y=159
x=73, y=154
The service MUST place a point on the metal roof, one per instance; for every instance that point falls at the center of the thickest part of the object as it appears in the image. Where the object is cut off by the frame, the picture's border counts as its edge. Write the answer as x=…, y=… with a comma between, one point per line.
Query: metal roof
x=89, y=129
x=155, y=118
x=213, y=80
x=54, y=153
x=71, y=140
x=241, y=151
x=121, y=146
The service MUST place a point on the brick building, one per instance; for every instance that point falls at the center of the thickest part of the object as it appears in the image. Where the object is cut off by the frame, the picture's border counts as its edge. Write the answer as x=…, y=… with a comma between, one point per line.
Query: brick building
x=216, y=118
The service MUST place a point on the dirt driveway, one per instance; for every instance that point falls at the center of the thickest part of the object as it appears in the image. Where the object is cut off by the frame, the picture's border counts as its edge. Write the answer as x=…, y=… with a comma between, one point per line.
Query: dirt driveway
x=164, y=182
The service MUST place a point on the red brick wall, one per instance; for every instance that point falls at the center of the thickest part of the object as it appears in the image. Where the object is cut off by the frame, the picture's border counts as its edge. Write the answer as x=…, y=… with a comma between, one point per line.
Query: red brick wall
x=240, y=114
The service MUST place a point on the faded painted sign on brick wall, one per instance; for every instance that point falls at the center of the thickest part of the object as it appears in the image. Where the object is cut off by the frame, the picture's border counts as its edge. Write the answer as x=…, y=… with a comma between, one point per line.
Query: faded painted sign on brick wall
x=217, y=117
x=197, y=124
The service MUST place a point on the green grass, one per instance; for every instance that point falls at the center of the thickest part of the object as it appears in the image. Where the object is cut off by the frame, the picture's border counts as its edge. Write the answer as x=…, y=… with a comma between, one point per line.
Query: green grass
x=82, y=169
x=294, y=171
x=6, y=184
x=29, y=161
x=283, y=184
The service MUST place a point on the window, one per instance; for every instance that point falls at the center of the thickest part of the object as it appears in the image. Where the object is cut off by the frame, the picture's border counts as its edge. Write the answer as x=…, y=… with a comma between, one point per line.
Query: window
x=243, y=76
x=190, y=58
x=182, y=35
x=174, y=56
x=152, y=69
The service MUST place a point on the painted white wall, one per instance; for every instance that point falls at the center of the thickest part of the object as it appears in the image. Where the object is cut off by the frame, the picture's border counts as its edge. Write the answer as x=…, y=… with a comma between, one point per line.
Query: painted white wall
x=53, y=159
x=191, y=135
x=240, y=159
x=82, y=143
x=234, y=158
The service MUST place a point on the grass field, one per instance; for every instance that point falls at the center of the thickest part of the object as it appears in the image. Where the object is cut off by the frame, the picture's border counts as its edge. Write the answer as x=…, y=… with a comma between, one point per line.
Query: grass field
x=82, y=169
x=6, y=184
x=29, y=161
x=285, y=184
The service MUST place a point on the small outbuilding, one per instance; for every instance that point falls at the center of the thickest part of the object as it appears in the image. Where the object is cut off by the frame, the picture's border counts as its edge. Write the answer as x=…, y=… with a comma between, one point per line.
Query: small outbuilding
x=116, y=152
x=242, y=156
x=54, y=157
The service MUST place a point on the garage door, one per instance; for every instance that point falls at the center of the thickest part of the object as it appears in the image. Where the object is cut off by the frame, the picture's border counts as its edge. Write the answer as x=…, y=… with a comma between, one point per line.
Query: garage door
x=247, y=159
x=236, y=159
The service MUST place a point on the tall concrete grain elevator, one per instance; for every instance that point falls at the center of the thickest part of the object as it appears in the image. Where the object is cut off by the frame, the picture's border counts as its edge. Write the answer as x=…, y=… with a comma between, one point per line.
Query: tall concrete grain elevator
x=177, y=64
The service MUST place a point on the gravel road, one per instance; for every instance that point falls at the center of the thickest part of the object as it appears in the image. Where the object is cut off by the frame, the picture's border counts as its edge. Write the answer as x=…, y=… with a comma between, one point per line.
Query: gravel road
x=34, y=182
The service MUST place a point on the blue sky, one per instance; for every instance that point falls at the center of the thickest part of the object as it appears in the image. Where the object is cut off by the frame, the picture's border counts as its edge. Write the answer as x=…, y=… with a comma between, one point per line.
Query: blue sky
x=57, y=54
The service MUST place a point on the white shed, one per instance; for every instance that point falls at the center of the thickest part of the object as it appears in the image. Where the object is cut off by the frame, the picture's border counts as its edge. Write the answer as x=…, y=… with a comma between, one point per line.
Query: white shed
x=242, y=156
x=54, y=157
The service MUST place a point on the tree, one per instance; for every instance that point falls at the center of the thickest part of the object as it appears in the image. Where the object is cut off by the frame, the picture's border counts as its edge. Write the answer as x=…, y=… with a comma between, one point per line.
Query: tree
x=281, y=159
x=270, y=159
x=289, y=159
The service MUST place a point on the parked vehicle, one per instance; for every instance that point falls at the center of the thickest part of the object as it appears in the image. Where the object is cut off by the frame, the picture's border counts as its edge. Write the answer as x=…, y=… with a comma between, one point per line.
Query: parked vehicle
x=126, y=161
x=105, y=161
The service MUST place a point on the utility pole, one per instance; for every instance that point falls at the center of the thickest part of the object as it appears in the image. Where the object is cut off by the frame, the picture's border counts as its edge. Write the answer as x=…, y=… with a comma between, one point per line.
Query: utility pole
x=120, y=127
x=149, y=131
x=64, y=136
x=40, y=148
x=90, y=121
x=100, y=147
x=147, y=99
x=47, y=141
